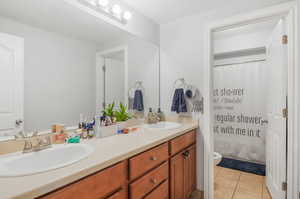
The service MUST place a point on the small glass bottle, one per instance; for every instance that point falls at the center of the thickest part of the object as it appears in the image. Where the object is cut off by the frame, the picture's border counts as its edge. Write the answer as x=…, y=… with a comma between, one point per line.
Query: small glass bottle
x=161, y=115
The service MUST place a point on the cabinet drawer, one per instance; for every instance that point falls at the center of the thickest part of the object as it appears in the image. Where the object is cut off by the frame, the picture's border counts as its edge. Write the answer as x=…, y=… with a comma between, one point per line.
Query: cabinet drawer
x=143, y=162
x=95, y=186
x=119, y=195
x=147, y=183
x=161, y=192
x=182, y=142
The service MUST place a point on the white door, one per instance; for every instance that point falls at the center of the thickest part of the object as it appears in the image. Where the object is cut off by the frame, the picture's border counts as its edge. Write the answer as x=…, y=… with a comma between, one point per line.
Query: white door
x=11, y=84
x=277, y=96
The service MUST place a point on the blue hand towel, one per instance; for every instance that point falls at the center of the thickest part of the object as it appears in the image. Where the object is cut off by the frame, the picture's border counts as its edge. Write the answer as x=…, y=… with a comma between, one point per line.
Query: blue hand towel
x=138, y=103
x=178, y=103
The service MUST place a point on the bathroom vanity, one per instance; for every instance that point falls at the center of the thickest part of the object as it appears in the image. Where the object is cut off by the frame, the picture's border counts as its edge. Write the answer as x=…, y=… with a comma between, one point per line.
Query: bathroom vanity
x=150, y=175
x=147, y=164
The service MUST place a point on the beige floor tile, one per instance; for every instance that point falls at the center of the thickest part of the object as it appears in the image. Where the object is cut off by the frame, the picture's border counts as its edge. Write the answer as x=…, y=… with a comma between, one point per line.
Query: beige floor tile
x=251, y=183
x=224, y=193
x=253, y=189
x=222, y=183
x=234, y=184
x=217, y=171
x=246, y=177
x=225, y=183
x=241, y=194
x=229, y=174
x=266, y=194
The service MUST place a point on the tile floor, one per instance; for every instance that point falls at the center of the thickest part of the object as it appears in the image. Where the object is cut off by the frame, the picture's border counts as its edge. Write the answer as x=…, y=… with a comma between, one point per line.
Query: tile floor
x=234, y=184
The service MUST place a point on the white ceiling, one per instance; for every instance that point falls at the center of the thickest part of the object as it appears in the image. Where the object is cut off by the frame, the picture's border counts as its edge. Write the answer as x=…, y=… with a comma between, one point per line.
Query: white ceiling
x=59, y=16
x=163, y=11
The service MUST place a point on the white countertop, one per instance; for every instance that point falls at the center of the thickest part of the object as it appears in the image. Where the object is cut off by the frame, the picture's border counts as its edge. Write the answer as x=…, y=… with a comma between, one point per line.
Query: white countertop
x=108, y=151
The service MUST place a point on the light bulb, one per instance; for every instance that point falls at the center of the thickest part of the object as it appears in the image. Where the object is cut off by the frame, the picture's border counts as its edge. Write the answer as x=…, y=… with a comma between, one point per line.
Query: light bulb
x=127, y=15
x=116, y=9
x=103, y=3
x=93, y=2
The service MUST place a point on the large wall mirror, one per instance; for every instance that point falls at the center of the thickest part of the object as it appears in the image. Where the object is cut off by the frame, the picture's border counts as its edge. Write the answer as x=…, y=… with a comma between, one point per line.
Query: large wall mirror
x=124, y=71
x=75, y=66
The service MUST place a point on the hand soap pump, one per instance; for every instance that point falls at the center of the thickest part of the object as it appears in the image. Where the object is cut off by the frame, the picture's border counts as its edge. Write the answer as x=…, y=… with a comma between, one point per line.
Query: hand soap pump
x=151, y=117
x=161, y=115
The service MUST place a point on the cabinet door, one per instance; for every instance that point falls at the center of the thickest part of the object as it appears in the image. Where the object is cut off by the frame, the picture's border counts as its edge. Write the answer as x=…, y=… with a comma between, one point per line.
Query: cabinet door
x=95, y=186
x=145, y=184
x=177, y=177
x=193, y=168
x=183, y=174
x=189, y=171
x=119, y=195
x=162, y=192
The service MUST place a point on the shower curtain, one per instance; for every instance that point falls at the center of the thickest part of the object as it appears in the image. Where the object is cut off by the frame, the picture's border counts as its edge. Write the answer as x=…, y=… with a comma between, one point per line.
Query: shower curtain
x=240, y=115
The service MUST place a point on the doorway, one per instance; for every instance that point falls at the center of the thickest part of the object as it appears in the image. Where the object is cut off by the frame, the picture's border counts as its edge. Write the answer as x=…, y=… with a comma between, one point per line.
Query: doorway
x=249, y=96
x=111, y=77
x=11, y=85
x=276, y=116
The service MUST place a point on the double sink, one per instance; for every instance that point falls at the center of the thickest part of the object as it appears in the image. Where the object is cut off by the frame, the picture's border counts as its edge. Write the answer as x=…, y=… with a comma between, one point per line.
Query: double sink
x=56, y=157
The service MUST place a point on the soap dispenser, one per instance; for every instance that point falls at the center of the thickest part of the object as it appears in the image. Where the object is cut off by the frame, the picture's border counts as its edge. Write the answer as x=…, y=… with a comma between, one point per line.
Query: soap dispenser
x=151, y=117
x=161, y=115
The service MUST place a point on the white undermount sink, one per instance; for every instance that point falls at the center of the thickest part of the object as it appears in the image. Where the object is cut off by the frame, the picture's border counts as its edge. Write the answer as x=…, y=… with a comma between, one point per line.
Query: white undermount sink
x=164, y=125
x=36, y=162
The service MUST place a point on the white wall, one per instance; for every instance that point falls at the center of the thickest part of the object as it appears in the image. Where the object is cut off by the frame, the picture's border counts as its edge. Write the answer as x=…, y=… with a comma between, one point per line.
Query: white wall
x=182, y=55
x=115, y=88
x=59, y=76
x=245, y=37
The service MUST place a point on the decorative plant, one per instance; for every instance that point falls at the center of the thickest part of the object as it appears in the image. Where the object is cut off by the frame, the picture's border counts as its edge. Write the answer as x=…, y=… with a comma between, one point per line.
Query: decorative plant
x=121, y=114
x=109, y=110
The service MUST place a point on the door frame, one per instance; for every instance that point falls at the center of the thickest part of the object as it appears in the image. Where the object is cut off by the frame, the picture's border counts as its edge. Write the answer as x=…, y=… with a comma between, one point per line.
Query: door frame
x=290, y=12
x=18, y=43
x=99, y=73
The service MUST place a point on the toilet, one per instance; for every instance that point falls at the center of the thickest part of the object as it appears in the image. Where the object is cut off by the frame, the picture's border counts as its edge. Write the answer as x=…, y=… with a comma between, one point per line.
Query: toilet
x=217, y=158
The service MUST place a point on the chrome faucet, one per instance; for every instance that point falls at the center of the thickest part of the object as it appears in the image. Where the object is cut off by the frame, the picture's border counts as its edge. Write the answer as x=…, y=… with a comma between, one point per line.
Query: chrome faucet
x=42, y=143
x=153, y=118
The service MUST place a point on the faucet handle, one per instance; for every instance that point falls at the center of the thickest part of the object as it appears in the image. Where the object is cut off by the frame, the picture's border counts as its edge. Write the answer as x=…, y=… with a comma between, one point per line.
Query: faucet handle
x=35, y=133
x=45, y=141
x=27, y=146
x=19, y=135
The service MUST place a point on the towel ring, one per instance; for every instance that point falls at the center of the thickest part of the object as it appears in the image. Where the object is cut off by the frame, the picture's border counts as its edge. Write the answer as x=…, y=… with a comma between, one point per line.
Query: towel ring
x=182, y=83
x=137, y=86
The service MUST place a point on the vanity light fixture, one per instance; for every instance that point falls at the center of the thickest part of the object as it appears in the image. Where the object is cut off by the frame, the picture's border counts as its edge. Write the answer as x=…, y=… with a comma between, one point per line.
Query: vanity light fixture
x=113, y=11
x=93, y=2
x=116, y=9
x=127, y=15
x=103, y=3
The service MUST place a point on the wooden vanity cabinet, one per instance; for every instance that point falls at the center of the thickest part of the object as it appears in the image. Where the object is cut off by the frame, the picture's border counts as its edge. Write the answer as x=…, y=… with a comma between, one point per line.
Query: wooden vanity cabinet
x=177, y=175
x=183, y=168
x=149, y=182
x=167, y=171
x=96, y=186
x=142, y=163
x=182, y=142
x=119, y=195
x=161, y=192
x=189, y=171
